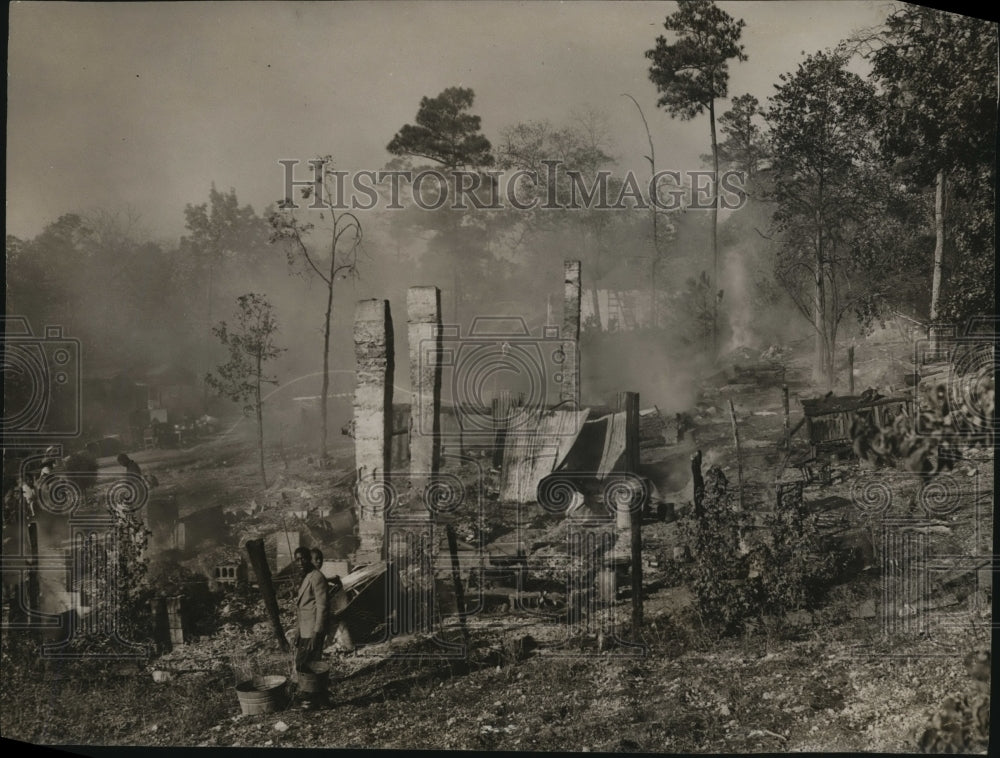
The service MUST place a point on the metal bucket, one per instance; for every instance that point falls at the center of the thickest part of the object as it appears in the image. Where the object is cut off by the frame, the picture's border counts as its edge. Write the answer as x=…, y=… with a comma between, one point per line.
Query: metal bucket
x=314, y=678
x=264, y=695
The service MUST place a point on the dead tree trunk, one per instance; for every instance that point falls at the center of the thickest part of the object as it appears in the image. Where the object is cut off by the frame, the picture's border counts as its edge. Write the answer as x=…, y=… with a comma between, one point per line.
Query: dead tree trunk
x=715, y=231
x=325, y=391
x=570, y=336
x=939, y=190
x=258, y=559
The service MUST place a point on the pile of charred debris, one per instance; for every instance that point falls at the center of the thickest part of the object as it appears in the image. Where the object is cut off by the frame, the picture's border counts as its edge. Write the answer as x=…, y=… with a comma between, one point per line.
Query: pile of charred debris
x=555, y=513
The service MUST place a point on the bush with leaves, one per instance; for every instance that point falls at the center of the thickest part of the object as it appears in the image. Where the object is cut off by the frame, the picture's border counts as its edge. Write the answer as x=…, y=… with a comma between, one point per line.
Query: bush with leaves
x=736, y=582
x=796, y=565
x=119, y=593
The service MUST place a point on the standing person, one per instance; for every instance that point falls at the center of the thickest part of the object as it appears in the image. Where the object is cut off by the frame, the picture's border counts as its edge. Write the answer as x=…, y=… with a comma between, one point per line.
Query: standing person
x=317, y=559
x=338, y=602
x=311, y=605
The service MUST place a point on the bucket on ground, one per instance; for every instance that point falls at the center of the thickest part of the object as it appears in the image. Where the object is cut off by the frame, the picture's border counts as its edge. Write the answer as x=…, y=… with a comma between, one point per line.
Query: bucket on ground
x=263, y=695
x=314, y=677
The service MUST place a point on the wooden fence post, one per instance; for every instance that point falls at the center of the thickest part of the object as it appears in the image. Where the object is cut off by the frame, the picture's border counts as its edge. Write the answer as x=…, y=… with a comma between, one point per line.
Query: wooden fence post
x=784, y=405
x=739, y=457
x=850, y=370
x=629, y=403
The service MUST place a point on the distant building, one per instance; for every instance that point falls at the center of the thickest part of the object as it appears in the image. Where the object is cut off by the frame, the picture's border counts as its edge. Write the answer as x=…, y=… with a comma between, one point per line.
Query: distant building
x=122, y=403
x=175, y=389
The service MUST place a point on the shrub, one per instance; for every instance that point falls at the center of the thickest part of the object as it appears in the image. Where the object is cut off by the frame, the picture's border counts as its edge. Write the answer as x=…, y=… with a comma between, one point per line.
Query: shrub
x=116, y=583
x=735, y=581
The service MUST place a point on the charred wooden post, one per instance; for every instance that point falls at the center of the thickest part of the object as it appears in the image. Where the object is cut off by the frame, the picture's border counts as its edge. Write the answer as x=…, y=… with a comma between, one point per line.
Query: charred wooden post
x=423, y=309
x=784, y=408
x=502, y=405
x=33, y=591
x=698, y=483
x=739, y=456
x=373, y=349
x=161, y=622
x=570, y=336
x=850, y=370
x=456, y=577
x=258, y=559
x=629, y=403
x=32, y=584
x=175, y=619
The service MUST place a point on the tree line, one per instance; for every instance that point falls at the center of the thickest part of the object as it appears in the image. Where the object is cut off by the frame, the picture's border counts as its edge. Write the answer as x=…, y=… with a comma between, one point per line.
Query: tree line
x=867, y=196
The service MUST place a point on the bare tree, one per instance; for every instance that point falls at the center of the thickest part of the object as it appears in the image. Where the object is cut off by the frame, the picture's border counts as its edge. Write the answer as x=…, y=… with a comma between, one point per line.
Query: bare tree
x=339, y=259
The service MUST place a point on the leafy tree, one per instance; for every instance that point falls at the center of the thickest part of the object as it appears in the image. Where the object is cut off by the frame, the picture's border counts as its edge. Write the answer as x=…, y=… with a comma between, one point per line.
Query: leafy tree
x=743, y=146
x=690, y=314
x=582, y=149
x=55, y=278
x=738, y=578
x=939, y=80
x=691, y=74
x=340, y=261
x=221, y=232
x=251, y=346
x=447, y=134
x=41, y=273
x=225, y=246
x=821, y=122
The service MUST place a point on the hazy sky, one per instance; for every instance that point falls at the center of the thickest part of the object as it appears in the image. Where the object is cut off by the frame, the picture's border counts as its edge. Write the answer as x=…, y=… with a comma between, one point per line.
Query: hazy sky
x=147, y=104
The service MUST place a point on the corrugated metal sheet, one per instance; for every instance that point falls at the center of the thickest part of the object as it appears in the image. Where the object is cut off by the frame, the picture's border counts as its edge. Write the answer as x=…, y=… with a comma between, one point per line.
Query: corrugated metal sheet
x=533, y=454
